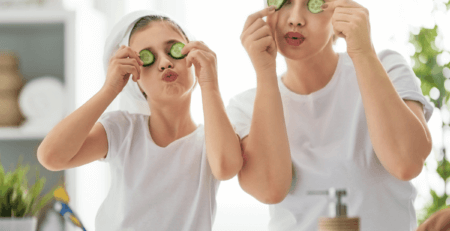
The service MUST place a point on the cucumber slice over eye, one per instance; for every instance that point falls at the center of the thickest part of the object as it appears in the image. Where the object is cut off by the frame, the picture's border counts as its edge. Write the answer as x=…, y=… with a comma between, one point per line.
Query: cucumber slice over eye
x=314, y=6
x=147, y=57
x=175, y=51
x=277, y=3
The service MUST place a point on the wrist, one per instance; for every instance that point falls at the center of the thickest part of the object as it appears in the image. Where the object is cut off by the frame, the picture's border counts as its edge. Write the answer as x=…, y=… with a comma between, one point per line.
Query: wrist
x=267, y=78
x=362, y=55
x=109, y=91
x=364, y=59
x=265, y=69
x=209, y=86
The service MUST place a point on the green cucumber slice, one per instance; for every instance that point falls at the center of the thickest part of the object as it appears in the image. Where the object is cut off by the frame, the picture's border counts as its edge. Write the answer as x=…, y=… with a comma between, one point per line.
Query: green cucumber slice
x=175, y=51
x=277, y=3
x=147, y=57
x=314, y=6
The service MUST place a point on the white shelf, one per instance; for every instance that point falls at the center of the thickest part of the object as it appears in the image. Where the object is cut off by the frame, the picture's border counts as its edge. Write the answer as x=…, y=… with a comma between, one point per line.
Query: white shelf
x=35, y=15
x=16, y=133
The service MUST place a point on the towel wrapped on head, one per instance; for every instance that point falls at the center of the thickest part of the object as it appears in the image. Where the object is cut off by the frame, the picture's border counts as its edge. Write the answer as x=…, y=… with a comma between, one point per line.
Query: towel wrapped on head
x=131, y=97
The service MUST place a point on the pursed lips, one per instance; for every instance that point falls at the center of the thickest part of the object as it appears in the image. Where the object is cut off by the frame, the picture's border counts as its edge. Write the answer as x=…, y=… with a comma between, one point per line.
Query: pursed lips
x=294, y=35
x=169, y=76
x=294, y=38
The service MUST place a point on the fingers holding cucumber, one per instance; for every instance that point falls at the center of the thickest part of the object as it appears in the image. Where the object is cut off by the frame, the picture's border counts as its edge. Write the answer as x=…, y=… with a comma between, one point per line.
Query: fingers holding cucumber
x=204, y=60
x=258, y=40
x=123, y=63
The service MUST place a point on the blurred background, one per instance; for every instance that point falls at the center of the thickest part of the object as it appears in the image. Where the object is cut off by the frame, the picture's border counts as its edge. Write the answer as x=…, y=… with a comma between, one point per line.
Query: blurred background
x=58, y=45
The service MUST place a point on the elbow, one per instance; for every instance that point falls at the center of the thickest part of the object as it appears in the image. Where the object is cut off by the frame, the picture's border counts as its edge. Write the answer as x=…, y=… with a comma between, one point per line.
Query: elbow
x=271, y=196
x=409, y=172
x=226, y=170
x=411, y=168
x=44, y=158
x=274, y=197
x=266, y=193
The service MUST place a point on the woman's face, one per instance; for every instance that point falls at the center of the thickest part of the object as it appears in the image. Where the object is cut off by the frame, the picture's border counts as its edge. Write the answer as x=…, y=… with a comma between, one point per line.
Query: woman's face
x=298, y=32
x=167, y=78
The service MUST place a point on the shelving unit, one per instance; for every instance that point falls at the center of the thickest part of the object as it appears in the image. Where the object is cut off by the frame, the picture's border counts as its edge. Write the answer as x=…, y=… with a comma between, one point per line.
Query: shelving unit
x=14, y=133
x=44, y=40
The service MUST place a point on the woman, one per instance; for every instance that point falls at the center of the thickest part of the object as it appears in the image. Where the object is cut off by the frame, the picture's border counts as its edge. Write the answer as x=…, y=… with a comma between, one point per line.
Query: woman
x=353, y=120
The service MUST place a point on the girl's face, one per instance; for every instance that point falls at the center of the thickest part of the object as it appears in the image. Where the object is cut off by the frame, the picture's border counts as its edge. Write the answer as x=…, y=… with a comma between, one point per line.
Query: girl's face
x=298, y=32
x=167, y=78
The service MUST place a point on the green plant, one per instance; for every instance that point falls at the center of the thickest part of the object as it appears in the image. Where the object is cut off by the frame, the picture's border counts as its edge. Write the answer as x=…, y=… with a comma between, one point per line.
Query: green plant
x=430, y=73
x=16, y=199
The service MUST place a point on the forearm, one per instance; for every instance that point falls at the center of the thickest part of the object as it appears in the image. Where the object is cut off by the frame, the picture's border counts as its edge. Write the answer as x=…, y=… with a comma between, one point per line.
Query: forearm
x=222, y=145
x=66, y=138
x=399, y=139
x=267, y=173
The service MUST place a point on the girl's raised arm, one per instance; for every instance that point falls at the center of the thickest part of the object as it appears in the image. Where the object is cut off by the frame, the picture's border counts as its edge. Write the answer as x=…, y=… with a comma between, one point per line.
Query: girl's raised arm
x=73, y=141
x=222, y=145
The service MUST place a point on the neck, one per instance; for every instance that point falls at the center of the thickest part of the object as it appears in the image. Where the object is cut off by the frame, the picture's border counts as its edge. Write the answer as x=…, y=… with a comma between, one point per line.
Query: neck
x=312, y=73
x=169, y=122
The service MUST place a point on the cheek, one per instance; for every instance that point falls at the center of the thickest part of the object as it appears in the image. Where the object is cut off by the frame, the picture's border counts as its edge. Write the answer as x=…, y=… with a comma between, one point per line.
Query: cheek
x=272, y=20
x=326, y=28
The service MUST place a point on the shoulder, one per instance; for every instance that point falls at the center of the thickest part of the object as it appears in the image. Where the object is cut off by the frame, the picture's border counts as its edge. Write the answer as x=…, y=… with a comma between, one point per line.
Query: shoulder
x=388, y=53
x=391, y=58
x=244, y=98
x=385, y=56
x=120, y=118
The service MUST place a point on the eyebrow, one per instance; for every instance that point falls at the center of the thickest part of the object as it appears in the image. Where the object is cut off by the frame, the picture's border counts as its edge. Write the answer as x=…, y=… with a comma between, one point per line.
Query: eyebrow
x=168, y=42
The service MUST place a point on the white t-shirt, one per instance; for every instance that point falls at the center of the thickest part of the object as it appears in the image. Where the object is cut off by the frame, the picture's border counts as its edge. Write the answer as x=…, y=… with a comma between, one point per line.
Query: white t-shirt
x=330, y=147
x=153, y=187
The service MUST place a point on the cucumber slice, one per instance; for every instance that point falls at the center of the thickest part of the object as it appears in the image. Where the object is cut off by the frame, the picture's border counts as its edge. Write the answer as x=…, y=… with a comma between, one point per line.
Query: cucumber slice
x=314, y=6
x=277, y=3
x=147, y=57
x=175, y=51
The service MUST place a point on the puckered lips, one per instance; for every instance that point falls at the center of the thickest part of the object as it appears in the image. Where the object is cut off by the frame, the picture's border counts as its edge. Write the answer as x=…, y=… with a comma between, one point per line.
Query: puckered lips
x=169, y=76
x=294, y=38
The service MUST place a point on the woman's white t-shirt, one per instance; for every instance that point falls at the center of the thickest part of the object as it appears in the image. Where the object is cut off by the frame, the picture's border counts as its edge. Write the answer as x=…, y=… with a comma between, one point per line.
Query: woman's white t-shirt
x=153, y=187
x=330, y=147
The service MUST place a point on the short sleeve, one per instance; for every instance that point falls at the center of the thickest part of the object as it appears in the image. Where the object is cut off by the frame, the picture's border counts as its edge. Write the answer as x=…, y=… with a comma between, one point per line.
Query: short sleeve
x=115, y=124
x=240, y=111
x=404, y=79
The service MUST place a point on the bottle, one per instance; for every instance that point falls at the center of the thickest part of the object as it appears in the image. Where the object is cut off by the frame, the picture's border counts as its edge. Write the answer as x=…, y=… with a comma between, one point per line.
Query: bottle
x=337, y=220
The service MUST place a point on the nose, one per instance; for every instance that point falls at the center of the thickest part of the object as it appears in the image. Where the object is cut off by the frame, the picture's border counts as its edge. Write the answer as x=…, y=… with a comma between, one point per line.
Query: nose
x=165, y=63
x=296, y=17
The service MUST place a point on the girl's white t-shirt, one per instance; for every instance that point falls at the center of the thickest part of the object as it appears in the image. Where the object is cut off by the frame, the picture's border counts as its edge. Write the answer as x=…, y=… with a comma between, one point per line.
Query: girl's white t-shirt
x=153, y=187
x=330, y=147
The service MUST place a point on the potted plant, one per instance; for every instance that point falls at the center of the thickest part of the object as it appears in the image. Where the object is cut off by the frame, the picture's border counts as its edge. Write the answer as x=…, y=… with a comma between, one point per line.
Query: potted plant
x=20, y=204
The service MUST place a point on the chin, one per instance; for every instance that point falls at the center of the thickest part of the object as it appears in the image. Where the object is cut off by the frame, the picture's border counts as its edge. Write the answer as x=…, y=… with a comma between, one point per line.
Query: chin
x=299, y=53
x=174, y=89
x=294, y=54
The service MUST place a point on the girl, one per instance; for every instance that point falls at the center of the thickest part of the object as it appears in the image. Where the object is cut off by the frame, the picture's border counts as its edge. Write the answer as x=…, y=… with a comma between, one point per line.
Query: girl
x=355, y=120
x=165, y=169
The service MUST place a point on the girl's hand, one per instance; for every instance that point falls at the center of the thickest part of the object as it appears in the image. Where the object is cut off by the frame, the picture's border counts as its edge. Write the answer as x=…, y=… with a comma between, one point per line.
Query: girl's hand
x=351, y=21
x=258, y=40
x=205, y=62
x=124, y=62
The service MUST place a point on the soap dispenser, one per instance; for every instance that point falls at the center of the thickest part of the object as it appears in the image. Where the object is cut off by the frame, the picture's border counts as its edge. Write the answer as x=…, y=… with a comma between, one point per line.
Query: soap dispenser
x=337, y=220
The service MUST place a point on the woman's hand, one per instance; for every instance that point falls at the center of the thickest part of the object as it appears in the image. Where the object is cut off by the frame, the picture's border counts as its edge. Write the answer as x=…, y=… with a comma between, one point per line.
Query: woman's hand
x=351, y=21
x=258, y=40
x=204, y=61
x=123, y=63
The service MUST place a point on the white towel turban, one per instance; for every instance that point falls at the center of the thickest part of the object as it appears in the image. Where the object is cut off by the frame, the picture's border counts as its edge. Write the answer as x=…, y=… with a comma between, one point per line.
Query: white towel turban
x=131, y=97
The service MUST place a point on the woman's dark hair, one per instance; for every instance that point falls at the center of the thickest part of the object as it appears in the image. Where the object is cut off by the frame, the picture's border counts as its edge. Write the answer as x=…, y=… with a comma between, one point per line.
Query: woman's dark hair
x=145, y=21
